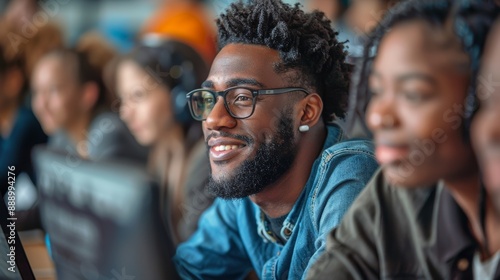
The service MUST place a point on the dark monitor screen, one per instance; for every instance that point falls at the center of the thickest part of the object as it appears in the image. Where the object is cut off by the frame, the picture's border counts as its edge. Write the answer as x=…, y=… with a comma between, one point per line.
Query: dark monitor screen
x=103, y=219
x=14, y=264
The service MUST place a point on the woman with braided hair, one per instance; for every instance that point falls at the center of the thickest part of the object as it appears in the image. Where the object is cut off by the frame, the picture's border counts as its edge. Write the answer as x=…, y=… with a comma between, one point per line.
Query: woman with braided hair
x=423, y=215
x=485, y=135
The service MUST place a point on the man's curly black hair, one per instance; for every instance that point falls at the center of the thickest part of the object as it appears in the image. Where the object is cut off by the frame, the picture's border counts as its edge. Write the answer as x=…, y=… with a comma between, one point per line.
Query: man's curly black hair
x=305, y=42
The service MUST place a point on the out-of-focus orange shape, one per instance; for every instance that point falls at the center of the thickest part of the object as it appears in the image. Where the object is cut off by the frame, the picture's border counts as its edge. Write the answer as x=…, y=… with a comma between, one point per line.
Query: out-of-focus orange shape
x=186, y=22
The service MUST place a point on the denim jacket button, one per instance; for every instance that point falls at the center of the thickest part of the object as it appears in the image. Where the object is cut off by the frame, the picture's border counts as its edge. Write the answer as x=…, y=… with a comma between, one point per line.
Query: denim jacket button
x=287, y=232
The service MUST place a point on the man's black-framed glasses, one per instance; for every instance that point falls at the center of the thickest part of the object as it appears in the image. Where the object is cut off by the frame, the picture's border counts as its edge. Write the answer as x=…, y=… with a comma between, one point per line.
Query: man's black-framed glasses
x=239, y=101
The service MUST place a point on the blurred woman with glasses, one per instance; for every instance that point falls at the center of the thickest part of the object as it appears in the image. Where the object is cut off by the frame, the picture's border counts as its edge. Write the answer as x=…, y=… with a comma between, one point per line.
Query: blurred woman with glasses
x=152, y=83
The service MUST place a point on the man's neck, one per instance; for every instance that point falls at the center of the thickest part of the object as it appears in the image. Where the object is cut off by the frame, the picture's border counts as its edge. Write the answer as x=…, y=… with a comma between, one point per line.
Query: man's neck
x=278, y=199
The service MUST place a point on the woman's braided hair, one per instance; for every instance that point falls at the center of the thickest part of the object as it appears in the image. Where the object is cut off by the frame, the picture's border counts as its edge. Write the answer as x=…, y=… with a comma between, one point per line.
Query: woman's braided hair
x=470, y=22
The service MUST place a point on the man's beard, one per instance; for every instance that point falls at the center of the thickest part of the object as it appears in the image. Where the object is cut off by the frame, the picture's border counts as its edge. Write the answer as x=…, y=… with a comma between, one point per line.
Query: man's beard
x=271, y=162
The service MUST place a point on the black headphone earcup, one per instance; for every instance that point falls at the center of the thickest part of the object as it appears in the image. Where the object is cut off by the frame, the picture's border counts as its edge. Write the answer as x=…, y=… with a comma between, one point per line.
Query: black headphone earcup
x=179, y=105
x=184, y=68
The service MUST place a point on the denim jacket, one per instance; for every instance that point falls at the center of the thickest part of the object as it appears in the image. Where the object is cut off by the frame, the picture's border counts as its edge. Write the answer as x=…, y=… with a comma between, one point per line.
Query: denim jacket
x=232, y=237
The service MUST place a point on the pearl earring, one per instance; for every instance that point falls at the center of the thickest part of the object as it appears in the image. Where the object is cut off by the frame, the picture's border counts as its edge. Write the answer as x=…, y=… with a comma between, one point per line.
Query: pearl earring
x=304, y=128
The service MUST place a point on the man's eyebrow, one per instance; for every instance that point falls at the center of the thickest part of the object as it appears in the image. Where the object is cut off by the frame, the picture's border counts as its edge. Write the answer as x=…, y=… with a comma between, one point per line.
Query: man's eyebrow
x=207, y=84
x=246, y=82
x=235, y=82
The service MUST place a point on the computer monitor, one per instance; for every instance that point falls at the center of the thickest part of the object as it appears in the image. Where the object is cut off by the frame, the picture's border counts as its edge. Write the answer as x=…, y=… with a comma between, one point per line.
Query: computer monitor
x=103, y=219
x=14, y=264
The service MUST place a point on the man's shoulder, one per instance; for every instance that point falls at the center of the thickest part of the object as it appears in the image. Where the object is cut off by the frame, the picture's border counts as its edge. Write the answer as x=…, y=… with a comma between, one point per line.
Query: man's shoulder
x=349, y=158
x=342, y=173
x=351, y=146
x=337, y=143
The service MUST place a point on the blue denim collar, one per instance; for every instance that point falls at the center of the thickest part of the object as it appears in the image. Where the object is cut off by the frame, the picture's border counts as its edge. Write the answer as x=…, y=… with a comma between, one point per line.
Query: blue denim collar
x=334, y=135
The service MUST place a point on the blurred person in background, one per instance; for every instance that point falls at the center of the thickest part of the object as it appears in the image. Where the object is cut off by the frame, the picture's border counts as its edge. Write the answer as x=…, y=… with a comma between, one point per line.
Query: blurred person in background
x=18, y=11
x=152, y=84
x=30, y=27
x=333, y=9
x=354, y=20
x=19, y=129
x=361, y=17
x=422, y=215
x=486, y=140
x=364, y=15
x=187, y=21
x=73, y=105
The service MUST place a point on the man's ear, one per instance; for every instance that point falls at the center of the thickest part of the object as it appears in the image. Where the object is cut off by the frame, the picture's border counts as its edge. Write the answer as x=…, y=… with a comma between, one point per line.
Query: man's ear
x=311, y=109
x=90, y=95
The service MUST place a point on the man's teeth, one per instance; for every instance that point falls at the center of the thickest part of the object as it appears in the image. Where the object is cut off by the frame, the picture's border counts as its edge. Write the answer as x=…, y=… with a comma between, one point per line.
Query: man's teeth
x=225, y=147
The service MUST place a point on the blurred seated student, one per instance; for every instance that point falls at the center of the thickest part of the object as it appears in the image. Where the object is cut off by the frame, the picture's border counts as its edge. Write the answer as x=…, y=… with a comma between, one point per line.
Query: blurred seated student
x=19, y=129
x=17, y=12
x=419, y=217
x=187, y=21
x=486, y=139
x=360, y=18
x=152, y=83
x=21, y=21
x=73, y=106
x=364, y=15
x=335, y=11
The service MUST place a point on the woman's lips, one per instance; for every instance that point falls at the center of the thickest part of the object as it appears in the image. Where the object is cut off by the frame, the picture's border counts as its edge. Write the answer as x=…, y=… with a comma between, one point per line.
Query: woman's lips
x=387, y=154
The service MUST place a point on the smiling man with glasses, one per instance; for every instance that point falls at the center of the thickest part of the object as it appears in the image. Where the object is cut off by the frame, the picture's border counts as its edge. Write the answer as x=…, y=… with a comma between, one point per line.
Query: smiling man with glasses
x=283, y=172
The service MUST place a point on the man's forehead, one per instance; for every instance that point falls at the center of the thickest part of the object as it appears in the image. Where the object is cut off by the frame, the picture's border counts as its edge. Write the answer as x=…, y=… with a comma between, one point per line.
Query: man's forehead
x=246, y=56
x=244, y=61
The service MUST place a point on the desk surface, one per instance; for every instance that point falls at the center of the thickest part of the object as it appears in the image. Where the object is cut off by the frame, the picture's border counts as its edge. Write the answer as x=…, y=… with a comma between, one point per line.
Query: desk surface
x=36, y=251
